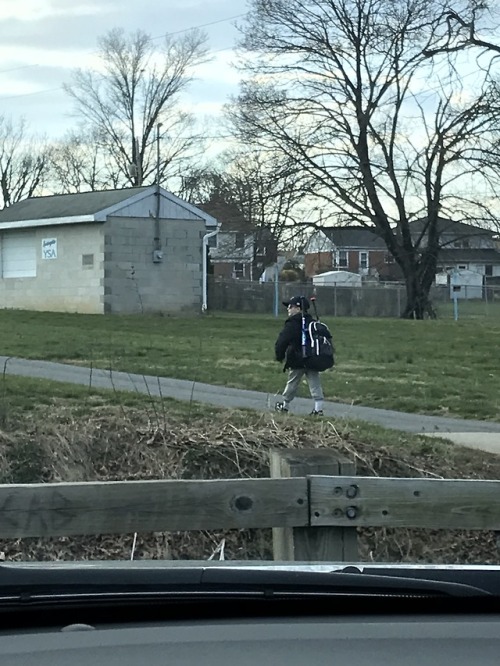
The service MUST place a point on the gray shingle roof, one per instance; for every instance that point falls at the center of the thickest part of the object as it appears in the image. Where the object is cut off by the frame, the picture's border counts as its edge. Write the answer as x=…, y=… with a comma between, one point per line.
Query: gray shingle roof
x=354, y=237
x=66, y=205
x=482, y=255
x=446, y=226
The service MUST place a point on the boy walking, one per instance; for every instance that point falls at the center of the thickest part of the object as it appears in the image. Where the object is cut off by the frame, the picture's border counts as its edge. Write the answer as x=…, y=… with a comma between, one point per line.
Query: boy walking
x=288, y=348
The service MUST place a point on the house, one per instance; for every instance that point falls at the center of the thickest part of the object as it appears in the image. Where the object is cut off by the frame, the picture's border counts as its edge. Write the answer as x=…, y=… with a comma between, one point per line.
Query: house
x=242, y=251
x=360, y=250
x=117, y=251
x=354, y=249
x=464, y=247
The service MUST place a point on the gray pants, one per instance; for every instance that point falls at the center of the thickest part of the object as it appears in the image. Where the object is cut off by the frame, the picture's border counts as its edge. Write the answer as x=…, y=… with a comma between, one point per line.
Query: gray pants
x=294, y=379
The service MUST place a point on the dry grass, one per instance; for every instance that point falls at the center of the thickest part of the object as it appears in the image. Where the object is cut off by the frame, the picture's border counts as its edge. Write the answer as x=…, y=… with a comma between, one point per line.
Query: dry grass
x=116, y=443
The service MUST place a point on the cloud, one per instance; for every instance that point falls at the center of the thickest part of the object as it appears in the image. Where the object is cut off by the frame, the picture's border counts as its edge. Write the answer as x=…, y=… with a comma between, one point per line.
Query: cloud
x=29, y=11
x=44, y=40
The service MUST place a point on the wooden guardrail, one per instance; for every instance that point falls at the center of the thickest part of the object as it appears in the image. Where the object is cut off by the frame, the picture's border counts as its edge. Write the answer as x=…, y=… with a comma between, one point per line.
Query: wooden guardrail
x=315, y=516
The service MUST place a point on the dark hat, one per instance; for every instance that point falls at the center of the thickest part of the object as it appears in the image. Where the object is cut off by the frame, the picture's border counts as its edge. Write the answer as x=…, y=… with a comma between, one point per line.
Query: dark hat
x=299, y=301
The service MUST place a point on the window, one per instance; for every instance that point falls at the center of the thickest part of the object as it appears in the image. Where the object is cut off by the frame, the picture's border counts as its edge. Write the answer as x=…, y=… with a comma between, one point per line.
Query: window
x=488, y=270
x=238, y=270
x=213, y=241
x=239, y=240
x=462, y=267
x=342, y=259
x=18, y=255
x=363, y=260
x=87, y=259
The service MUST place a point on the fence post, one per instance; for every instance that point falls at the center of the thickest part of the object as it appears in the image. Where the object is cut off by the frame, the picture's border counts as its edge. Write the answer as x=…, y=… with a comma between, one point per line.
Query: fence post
x=313, y=544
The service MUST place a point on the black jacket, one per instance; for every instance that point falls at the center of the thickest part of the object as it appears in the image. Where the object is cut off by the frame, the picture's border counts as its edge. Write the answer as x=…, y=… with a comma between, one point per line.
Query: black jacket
x=288, y=346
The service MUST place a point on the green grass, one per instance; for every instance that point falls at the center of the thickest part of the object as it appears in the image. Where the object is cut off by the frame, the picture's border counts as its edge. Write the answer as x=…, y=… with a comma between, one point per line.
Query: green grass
x=468, y=309
x=20, y=395
x=429, y=367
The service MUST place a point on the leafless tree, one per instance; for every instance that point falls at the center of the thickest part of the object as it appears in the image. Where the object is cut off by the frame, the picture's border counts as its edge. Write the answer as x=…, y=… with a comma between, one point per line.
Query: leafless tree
x=80, y=162
x=381, y=130
x=256, y=191
x=133, y=100
x=266, y=189
x=23, y=162
x=262, y=189
x=460, y=28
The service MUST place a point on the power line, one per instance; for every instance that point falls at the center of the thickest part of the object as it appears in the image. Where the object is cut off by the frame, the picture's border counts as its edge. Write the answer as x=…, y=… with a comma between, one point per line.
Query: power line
x=47, y=90
x=15, y=69
x=168, y=34
x=37, y=92
x=202, y=25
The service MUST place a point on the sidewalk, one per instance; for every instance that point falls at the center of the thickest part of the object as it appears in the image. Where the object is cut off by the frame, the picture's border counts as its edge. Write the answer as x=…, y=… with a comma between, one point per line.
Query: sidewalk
x=482, y=435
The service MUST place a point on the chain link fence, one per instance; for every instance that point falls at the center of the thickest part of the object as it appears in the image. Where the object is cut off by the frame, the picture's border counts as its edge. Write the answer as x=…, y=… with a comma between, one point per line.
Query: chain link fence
x=367, y=301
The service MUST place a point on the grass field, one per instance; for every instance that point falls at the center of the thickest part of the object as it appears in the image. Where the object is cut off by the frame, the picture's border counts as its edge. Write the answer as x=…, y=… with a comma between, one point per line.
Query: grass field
x=430, y=367
x=468, y=309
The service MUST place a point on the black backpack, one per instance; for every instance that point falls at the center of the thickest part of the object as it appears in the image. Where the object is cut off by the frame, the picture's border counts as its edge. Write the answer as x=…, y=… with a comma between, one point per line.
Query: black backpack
x=318, y=350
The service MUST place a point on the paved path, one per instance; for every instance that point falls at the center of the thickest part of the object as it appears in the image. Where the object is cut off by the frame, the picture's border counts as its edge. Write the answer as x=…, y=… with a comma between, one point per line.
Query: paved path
x=484, y=435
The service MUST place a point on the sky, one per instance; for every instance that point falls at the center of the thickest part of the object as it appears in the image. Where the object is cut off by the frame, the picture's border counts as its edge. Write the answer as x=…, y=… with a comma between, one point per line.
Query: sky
x=43, y=41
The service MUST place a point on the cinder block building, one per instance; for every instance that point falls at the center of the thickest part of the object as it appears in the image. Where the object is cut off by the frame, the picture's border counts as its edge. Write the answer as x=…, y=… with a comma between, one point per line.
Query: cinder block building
x=131, y=250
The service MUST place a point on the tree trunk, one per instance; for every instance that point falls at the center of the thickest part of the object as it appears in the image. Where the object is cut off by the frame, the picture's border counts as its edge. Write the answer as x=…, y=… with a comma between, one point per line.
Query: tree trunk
x=419, y=277
x=418, y=304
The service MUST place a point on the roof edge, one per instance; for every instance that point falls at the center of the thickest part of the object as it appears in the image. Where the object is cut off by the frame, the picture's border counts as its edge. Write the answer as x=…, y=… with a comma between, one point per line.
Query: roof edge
x=47, y=222
x=101, y=215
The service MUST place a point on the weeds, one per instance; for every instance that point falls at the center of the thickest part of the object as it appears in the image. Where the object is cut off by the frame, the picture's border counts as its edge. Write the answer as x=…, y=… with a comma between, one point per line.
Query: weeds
x=109, y=443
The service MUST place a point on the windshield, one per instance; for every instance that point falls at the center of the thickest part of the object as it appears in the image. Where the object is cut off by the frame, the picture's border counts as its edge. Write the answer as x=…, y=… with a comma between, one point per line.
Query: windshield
x=250, y=282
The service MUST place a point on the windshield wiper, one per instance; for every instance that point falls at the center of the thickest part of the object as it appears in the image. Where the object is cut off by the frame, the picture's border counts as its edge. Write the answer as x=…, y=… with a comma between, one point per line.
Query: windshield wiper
x=27, y=584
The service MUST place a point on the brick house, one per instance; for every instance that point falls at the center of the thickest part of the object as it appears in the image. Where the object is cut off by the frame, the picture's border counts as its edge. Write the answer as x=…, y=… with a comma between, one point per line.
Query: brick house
x=355, y=249
x=360, y=250
x=241, y=251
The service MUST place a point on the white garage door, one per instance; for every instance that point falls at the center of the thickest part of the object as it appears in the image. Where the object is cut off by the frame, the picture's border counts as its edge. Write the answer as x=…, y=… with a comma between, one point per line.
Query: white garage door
x=18, y=255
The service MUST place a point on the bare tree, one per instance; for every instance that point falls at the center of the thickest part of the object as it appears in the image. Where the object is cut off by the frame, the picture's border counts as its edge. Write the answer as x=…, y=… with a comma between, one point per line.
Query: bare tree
x=263, y=190
x=343, y=89
x=135, y=100
x=460, y=28
x=257, y=190
x=23, y=162
x=80, y=162
x=266, y=188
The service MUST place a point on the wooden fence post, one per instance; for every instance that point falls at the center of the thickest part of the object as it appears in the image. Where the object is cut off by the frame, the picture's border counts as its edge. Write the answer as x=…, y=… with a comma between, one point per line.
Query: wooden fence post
x=308, y=544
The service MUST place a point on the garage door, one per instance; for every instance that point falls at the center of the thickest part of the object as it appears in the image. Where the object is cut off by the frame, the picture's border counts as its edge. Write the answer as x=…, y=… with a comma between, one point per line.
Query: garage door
x=18, y=255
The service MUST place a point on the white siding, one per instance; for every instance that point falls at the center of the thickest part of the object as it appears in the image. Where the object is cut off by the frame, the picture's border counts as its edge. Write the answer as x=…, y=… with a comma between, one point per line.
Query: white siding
x=18, y=255
x=318, y=243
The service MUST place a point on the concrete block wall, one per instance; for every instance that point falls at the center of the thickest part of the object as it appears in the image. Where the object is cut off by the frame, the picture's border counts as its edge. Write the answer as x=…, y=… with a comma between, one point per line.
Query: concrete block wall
x=134, y=283
x=65, y=283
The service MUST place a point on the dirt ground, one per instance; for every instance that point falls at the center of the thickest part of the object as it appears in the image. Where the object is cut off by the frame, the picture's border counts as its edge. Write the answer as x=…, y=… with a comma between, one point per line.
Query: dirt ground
x=127, y=444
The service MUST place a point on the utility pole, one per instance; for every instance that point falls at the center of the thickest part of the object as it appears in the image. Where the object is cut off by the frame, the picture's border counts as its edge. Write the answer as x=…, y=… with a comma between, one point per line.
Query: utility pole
x=158, y=154
x=157, y=253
